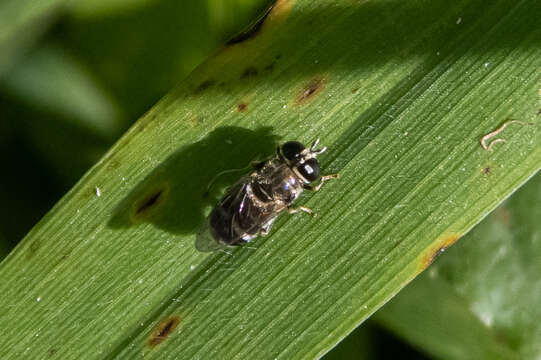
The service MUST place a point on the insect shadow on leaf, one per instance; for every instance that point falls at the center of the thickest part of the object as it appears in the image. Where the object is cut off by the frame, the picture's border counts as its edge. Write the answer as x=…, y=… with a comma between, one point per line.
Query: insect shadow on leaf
x=175, y=194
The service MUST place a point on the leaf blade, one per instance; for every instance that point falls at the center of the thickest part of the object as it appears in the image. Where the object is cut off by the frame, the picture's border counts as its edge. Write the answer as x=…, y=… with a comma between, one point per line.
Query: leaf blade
x=402, y=192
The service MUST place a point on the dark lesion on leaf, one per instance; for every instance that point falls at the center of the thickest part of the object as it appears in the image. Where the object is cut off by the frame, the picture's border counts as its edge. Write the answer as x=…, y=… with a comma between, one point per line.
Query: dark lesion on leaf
x=436, y=251
x=249, y=72
x=163, y=330
x=253, y=29
x=310, y=90
x=204, y=86
x=33, y=249
x=149, y=202
x=242, y=107
x=435, y=254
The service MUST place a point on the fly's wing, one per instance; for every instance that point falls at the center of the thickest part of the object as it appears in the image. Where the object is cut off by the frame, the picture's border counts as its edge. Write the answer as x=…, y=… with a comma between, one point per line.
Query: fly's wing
x=249, y=220
x=205, y=242
x=236, y=216
x=217, y=231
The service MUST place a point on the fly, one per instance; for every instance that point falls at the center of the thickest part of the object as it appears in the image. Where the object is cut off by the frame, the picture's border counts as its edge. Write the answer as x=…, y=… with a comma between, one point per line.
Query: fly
x=250, y=207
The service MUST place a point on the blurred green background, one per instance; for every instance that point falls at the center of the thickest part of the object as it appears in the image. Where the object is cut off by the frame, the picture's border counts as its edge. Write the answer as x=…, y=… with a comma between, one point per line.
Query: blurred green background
x=73, y=81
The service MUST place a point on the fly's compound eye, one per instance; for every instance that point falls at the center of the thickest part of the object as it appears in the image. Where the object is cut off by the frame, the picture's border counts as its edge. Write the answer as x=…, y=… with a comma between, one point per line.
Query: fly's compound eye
x=309, y=169
x=291, y=150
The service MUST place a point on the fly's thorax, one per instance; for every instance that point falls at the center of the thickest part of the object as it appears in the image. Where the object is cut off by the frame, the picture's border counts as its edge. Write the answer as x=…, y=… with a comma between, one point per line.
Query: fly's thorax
x=276, y=182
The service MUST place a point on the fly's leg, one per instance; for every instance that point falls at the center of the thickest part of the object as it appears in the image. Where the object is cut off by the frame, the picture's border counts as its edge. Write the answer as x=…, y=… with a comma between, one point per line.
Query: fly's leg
x=248, y=237
x=293, y=210
x=321, y=182
x=266, y=228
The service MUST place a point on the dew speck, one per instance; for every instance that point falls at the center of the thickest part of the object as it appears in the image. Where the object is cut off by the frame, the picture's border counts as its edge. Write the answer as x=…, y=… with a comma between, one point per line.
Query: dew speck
x=458, y=21
x=38, y=299
x=98, y=191
x=140, y=281
x=283, y=107
x=486, y=64
x=192, y=267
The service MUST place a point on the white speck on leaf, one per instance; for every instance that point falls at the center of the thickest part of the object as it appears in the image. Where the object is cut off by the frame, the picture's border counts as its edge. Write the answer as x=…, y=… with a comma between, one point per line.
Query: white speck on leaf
x=98, y=191
x=458, y=21
x=38, y=299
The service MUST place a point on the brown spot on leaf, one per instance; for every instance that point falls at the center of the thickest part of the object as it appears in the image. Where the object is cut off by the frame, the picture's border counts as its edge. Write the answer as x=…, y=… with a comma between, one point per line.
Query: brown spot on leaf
x=204, y=86
x=241, y=107
x=269, y=67
x=354, y=90
x=487, y=170
x=249, y=72
x=149, y=202
x=163, y=330
x=539, y=112
x=52, y=352
x=310, y=90
x=146, y=205
x=33, y=249
x=113, y=165
x=270, y=16
x=436, y=249
x=253, y=29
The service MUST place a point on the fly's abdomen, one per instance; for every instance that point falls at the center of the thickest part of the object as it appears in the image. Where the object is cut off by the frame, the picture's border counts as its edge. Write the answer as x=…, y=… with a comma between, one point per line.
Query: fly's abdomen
x=238, y=217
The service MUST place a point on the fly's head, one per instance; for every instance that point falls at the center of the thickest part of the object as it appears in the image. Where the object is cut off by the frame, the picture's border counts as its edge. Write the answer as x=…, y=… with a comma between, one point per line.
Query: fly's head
x=303, y=161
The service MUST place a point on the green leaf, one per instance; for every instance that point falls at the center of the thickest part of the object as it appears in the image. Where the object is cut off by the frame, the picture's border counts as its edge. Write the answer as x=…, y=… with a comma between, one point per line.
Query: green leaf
x=481, y=299
x=400, y=92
